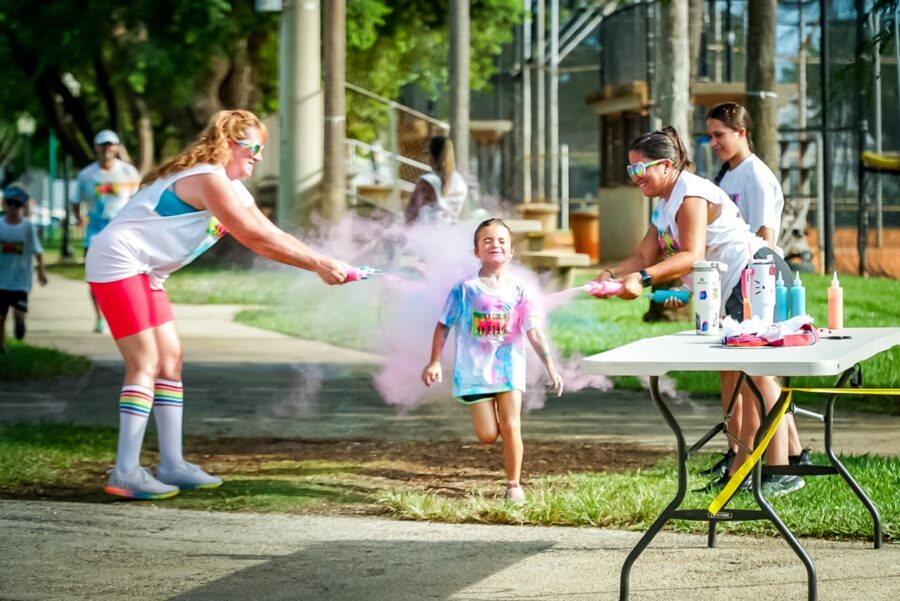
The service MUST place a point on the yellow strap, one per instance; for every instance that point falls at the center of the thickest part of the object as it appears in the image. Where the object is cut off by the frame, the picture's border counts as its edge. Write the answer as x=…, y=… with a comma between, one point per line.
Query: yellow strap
x=886, y=162
x=744, y=469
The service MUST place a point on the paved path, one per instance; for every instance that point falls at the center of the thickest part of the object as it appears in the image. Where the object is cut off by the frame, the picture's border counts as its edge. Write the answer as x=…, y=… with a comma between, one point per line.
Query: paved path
x=128, y=551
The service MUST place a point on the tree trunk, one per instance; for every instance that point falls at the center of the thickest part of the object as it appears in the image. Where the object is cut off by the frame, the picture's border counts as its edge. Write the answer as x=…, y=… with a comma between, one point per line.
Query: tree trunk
x=674, y=77
x=695, y=27
x=459, y=82
x=761, y=98
x=674, y=107
x=334, y=198
x=140, y=118
x=239, y=85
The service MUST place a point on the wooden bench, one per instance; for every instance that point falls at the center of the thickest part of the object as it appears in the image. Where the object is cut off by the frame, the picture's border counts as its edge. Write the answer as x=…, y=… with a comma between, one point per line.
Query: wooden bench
x=560, y=265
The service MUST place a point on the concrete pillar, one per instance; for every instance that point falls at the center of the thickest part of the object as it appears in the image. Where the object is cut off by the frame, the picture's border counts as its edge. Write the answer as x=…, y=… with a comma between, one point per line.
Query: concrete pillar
x=301, y=120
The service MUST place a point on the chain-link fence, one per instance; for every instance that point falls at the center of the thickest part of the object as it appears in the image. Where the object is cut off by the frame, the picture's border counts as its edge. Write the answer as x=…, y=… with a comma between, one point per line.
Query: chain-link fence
x=387, y=149
x=800, y=100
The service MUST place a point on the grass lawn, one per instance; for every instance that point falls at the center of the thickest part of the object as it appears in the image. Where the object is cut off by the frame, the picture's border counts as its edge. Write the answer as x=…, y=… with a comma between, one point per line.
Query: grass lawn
x=449, y=482
x=26, y=362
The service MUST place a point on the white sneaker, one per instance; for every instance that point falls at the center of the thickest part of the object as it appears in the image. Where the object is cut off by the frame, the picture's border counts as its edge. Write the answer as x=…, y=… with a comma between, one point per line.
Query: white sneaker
x=515, y=494
x=187, y=476
x=138, y=485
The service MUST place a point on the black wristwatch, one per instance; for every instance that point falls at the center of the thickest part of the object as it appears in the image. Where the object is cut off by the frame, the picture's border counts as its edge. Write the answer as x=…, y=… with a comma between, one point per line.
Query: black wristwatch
x=646, y=278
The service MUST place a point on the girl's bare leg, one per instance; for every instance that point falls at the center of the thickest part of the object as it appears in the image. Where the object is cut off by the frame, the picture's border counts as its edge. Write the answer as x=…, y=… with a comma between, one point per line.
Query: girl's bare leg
x=509, y=410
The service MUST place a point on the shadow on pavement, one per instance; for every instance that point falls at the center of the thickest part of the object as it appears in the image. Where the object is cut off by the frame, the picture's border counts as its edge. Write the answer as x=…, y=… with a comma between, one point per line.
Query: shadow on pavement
x=404, y=570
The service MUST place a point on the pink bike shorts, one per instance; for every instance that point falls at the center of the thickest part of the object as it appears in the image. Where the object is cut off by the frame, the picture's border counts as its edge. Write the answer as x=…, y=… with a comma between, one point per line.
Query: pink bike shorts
x=131, y=305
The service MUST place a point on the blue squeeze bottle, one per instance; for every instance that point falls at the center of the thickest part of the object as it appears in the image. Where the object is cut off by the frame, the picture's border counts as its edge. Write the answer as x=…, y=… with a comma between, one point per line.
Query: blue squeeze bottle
x=798, y=296
x=661, y=296
x=781, y=299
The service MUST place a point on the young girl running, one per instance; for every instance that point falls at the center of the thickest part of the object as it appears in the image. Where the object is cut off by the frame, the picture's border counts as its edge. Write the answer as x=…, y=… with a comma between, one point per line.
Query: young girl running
x=758, y=196
x=493, y=315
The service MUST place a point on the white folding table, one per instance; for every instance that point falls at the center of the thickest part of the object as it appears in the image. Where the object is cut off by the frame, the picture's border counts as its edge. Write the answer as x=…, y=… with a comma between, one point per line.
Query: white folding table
x=838, y=355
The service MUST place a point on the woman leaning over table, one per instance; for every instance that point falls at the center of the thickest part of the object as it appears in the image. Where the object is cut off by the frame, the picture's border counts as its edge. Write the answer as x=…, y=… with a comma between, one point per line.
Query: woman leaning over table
x=695, y=220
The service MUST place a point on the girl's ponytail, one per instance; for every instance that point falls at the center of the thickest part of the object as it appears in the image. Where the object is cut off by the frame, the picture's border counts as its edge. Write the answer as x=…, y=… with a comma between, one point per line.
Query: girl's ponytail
x=682, y=161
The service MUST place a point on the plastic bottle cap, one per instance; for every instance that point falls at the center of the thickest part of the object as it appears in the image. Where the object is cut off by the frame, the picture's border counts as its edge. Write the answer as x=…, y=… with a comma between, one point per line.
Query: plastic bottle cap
x=834, y=281
x=797, y=281
x=779, y=281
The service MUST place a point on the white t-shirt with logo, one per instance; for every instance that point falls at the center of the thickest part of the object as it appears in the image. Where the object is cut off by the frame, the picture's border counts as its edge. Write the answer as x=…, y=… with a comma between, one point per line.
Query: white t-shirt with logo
x=757, y=193
x=728, y=237
x=156, y=233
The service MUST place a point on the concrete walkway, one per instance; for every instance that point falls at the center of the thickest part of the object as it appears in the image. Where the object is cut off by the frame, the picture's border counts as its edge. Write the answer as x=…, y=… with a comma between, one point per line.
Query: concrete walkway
x=129, y=551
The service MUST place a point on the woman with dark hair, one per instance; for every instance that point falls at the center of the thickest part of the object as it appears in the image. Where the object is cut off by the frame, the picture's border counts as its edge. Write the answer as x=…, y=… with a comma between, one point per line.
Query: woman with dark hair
x=744, y=176
x=695, y=220
x=439, y=196
x=758, y=196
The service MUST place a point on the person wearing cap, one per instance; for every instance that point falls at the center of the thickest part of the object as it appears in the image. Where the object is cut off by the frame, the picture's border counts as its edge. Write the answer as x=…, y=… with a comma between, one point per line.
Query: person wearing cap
x=19, y=242
x=104, y=187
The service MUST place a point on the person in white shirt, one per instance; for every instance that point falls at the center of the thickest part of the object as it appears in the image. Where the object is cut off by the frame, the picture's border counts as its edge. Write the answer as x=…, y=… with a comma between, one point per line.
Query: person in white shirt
x=184, y=206
x=439, y=196
x=696, y=220
x=757, y=193
x=744, y=176
x=103, y=188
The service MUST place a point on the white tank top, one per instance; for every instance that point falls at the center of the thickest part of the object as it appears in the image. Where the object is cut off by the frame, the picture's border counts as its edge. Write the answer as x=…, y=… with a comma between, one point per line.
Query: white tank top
x=728, y=237
x=447, y=208
x=155, y=233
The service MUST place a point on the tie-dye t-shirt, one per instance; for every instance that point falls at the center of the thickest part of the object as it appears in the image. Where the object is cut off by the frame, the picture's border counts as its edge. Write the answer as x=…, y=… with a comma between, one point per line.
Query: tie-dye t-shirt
x=103, y=192
x=490, y=335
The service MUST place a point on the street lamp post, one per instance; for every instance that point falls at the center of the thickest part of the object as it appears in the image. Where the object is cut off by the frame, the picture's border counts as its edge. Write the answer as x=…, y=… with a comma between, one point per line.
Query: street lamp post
x=25, y=125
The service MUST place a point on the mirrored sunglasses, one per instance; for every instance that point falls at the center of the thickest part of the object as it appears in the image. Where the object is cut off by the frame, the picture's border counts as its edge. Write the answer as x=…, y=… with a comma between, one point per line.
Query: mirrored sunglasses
x=639, y=169
x=255, y=149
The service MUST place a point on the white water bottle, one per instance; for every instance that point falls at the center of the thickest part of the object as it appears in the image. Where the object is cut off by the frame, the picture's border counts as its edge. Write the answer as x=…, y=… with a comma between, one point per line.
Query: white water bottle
x=761, y=289
x=707, y=297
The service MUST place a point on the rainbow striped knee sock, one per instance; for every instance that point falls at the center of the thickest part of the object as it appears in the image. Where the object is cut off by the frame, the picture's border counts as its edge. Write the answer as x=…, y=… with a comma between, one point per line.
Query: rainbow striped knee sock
x=135, y=403
x=168, y=405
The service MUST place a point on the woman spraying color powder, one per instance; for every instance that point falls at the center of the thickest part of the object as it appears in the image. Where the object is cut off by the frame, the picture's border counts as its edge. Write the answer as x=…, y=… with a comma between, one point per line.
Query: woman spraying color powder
x=183, y=207
x=695, y=220
x=493, y=315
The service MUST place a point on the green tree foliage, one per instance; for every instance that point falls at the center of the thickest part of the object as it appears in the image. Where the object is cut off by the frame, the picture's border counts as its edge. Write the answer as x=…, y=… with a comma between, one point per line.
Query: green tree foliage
x=155, y=70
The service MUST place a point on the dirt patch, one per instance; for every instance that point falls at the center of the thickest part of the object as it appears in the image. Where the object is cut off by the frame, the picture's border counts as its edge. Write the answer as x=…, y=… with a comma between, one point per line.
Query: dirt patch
x=450, y=467
x=341, y=476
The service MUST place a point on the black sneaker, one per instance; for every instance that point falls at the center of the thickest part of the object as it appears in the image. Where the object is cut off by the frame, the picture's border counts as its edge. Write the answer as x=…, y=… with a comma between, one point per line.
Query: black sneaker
x=721, y=466
x=778, y=485
x=719, y=483
x=801, y=459
x=19, y=329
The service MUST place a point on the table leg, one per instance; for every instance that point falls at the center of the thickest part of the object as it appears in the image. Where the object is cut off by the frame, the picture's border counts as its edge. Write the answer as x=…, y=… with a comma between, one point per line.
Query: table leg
x=711, y=529
x=839, y=467
x=756, y=485
x=670, y=509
